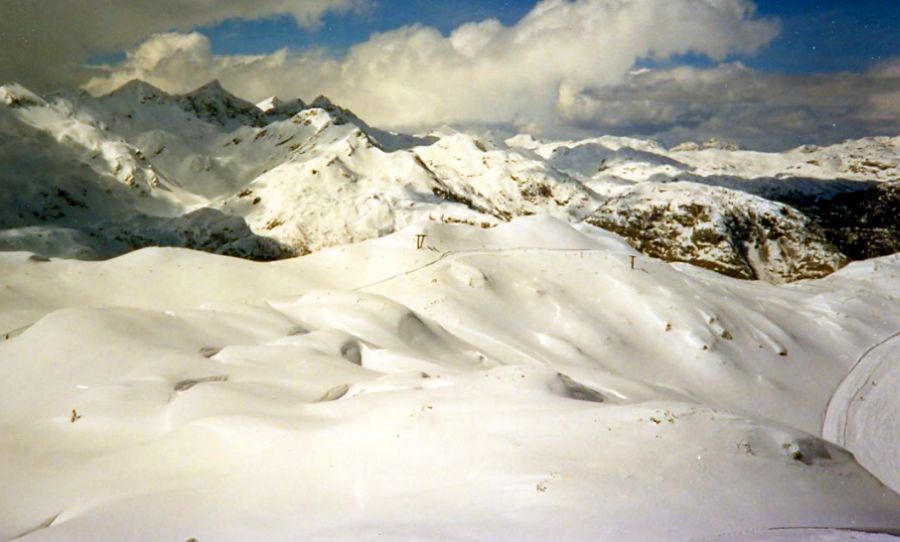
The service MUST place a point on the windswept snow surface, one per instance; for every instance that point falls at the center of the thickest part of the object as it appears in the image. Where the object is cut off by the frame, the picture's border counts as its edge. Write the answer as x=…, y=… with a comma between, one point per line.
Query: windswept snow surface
x=534, y=381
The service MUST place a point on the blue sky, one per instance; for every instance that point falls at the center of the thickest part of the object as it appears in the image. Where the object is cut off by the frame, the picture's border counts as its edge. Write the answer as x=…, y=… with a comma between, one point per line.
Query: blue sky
x=817, y=35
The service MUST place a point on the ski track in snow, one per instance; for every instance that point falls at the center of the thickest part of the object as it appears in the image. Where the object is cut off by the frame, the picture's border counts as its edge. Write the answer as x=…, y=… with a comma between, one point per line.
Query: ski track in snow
x=862, y=416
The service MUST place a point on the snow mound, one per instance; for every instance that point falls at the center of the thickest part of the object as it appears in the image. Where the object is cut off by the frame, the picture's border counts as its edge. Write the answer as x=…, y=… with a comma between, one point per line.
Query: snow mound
x=370, y=391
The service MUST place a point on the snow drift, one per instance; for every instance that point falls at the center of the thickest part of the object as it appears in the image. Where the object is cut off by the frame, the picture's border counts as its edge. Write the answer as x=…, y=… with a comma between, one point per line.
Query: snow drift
x=517, y=383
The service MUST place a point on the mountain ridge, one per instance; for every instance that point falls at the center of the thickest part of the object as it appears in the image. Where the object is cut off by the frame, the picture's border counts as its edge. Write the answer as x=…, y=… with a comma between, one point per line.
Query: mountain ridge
x=308, y=176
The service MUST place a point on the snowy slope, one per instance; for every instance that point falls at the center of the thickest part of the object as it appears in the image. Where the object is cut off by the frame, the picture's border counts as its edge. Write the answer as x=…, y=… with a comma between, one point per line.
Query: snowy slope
x=847, y=192
x=862, y=414
x=306, y=177
x=285, y=177
x=105, y=153
x=524, y=375
x=515, y=383
x=337, y=183
x=874, y=158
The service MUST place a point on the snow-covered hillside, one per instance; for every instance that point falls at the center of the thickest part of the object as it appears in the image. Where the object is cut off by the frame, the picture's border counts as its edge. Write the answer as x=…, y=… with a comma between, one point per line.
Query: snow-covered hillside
x=94, y=177
x=481, y=341
x=71, y=187
x=533, y=381
x=875, y=158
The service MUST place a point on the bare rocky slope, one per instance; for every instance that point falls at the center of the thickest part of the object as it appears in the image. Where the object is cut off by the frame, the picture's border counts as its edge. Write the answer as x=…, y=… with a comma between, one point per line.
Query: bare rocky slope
x=724, y=230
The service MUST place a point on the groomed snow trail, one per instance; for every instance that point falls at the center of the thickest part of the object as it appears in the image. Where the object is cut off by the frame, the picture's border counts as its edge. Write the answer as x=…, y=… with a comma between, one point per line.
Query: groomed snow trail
x=862, y=414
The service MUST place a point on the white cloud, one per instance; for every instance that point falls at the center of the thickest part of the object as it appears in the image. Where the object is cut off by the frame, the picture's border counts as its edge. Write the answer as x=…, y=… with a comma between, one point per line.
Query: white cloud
x=564, y=69
x=44, y=42
x=482, y=72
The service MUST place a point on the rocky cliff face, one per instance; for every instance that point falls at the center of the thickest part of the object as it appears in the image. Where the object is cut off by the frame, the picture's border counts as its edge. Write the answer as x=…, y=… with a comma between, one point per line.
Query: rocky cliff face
x=724, y=230
x=863, y=223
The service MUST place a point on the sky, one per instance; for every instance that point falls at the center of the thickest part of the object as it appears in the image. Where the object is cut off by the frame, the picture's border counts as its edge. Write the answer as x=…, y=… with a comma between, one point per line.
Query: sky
x=818, y=35
x=767, y=74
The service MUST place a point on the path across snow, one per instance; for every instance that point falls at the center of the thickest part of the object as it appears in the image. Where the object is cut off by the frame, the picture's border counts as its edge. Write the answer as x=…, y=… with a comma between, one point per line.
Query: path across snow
x=864, y=412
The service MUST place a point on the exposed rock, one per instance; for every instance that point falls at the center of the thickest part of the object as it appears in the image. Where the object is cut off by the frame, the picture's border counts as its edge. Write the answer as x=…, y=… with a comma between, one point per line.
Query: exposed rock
x=862, y=223
x=724, y=230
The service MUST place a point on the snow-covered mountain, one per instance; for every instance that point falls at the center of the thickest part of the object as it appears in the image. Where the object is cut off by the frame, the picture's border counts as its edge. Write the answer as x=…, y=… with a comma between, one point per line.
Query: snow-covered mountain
x=71, y=188
x=486, y=356
x=139, y=167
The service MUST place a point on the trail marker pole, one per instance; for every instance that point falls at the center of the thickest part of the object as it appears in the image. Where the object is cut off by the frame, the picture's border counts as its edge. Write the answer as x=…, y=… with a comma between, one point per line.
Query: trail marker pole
x=420, y=240
x=632, y=263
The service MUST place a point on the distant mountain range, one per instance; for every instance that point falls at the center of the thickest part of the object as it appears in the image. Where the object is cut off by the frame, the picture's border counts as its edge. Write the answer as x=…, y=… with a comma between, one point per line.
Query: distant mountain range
x=93, y=177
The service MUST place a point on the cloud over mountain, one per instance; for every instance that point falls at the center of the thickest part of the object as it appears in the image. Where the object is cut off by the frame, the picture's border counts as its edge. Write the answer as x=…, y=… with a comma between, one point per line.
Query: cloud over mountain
x=762, y=110
x=566, y=69
x=46, y=42
x=482, y=71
